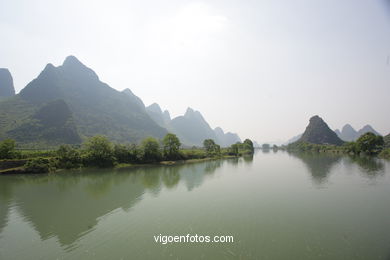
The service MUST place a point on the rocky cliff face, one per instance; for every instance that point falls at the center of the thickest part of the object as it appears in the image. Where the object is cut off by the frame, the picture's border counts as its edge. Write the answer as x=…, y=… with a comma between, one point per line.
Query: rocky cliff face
x=6, y=83
x=318, y=132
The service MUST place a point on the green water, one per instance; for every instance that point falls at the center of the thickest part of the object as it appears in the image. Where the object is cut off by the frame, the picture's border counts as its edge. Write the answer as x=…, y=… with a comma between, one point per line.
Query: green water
x=275, y=205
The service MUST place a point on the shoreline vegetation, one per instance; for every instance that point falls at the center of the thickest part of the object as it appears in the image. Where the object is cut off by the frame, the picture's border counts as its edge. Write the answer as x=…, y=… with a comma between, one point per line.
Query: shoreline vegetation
x=99, y=151
x=368, y=144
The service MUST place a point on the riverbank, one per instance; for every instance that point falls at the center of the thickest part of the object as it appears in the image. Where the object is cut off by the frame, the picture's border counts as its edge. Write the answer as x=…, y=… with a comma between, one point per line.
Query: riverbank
x=351, y=148
x=10, y=167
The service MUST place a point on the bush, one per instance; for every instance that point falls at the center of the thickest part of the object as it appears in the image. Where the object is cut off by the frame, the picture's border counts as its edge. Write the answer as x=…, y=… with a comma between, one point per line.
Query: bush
x=193, y=154
x=212, y=149
x=171, y=146
x=150, y=150
x=7, y=149
x=248, y=145
x=234, y=149
x=126, y=153
x=385, y=153
x=369, y=143
x=99, y=152
x=40, y=165
x=68, y=157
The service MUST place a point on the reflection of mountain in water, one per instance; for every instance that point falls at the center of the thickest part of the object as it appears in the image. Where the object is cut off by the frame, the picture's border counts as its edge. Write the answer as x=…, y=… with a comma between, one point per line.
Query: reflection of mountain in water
x=71, y=211
x=319, y=165
x=69, y=205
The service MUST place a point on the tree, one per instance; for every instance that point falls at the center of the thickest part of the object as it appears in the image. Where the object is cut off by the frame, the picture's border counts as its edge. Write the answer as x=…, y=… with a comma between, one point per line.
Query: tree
x=40, y=165
x=151, y=150
x=369, y=143
x=265, y=146
x=211, y=147
x=7, y=149
x=248, y=145
x=68, y=157
x=234, y=149
x=100, y=151
x=171, y=146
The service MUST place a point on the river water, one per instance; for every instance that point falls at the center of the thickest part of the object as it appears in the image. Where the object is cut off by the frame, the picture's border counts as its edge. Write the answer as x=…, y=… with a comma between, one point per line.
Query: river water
x=275, y=205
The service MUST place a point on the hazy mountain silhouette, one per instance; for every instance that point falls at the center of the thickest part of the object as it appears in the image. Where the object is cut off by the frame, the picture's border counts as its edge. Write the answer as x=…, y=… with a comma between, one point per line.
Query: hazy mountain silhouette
x=349, y=134
x=134, y=98
x=191, y=128
x=225, y=139
x=161, y=118
x=294, y=139
x=96, y=107
x=318, y=132
x=366, y=129
x=6, y=83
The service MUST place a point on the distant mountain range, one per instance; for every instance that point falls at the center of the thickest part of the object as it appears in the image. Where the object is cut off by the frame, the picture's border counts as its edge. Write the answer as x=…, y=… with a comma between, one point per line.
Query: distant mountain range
x=68, y=103
x=347, y=133
x=191, y=128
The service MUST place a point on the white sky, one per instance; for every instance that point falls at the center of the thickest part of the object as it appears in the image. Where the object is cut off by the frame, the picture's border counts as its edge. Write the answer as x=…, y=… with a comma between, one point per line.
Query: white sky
x=258, y=68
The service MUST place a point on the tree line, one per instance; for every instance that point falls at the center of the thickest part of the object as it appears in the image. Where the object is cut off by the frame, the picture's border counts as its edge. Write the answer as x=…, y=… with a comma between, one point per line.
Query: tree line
x=366, y=144
x=99, y=151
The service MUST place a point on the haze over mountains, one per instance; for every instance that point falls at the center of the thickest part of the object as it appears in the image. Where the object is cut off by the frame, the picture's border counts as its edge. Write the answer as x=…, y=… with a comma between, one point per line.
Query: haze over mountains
x=191, y=127
x=68, y=103
x=347, y=133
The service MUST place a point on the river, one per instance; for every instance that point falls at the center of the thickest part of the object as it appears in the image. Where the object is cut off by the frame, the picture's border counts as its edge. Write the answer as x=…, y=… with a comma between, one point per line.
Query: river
x=275, y=205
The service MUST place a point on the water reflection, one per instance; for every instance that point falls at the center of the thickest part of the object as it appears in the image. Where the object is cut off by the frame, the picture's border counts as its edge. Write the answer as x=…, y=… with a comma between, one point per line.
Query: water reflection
x=319, y=165
x=370, y=166
x=68, y=205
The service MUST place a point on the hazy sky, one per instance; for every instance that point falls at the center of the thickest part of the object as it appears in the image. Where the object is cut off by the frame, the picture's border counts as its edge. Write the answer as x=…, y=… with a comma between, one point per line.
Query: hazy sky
x=258, y=68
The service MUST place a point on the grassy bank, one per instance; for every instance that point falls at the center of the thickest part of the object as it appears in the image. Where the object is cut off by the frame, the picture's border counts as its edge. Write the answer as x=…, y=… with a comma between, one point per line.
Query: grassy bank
x=98, y=151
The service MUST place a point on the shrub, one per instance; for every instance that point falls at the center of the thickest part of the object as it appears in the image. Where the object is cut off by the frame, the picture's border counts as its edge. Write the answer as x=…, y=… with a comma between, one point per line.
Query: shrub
x=212, y=149
x=150, y=150
x=40, y=165
x=171, y=146
x=68, y=157
x=7, y=149
x=369, y=143
x=99, y=152
x=126, y=153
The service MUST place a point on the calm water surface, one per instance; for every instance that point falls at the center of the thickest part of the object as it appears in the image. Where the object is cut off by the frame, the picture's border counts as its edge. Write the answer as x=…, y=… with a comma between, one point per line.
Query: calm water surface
x=275, y=205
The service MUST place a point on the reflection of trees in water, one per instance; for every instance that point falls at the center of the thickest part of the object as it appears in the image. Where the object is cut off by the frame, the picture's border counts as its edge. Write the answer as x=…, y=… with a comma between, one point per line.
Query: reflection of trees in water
x=233, y=162
x=318, y=164
x=4, y=208
x=193, y=174
x=370, y=166
x=248, y=159
x=170, y=176
x=69, y=204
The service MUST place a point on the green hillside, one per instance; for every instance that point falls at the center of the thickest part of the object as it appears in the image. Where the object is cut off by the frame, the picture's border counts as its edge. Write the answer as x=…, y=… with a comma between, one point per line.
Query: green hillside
x=94, y=108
